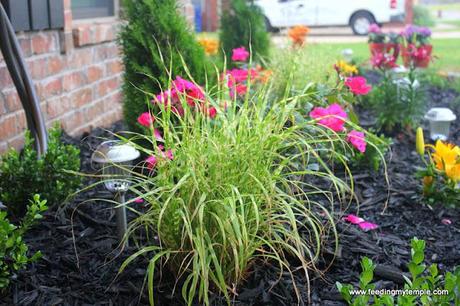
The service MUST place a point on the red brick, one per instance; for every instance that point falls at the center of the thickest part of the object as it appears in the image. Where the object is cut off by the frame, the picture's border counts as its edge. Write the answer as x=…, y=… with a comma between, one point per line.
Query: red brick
x=108, y=86
x=55, y=64
x=3, y=148
x=80, y=58
x=41, y=44
x=5, y=78
x=114, y=67
x=72, y=121
x=2, y=104
x=73, y=80
x=82, y=36
x=8, y=126
x=21, y=121
x=94, y=73
x=57, y=107
x=106, y=51
x=81, y=98
x=26, y=46
x=52, y=88
x=94, y=111
x=38, y=68
x=13, y=103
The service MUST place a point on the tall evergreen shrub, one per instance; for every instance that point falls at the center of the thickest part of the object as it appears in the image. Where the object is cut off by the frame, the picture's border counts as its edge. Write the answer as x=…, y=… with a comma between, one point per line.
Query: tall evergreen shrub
x=243, y=24
x=153, y=40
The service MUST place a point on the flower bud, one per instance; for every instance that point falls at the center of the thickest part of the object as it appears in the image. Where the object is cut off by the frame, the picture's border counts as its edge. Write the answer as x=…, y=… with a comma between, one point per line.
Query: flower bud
x=420, y=142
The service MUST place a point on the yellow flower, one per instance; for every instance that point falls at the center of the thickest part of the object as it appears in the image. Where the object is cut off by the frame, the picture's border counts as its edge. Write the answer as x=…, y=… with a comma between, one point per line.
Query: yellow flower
x=453, y=172
x=445, y=155
x=209, y=45
x=420, y=142
x=345, y=68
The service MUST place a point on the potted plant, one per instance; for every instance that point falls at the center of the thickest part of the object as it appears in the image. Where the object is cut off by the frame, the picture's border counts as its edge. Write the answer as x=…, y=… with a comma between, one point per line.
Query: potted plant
x=381, y=43
x=417, y=49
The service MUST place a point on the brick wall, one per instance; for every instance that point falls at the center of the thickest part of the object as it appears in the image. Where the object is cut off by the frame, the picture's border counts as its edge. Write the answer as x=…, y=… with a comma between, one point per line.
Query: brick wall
x=77, y=73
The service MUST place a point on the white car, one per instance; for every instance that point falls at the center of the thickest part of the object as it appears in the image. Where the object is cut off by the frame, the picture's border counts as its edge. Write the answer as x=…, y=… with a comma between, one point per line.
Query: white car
x=358, y=14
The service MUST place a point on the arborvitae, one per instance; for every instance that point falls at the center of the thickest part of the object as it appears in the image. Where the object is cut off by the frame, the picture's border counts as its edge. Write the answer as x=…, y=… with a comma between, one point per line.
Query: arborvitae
x=153, y=40
x=243, y=25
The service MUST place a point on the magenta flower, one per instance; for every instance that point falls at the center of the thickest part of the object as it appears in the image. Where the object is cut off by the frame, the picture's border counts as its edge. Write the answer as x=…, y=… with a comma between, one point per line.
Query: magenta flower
x=357, y=139
x=353, y=219
x=240, y=54
x=212, y=112
x=151, y=162
x=358, y=85
x=138, y=200
x=168, y=154
x=146, y=119
x=374, y=28
x=363, y=224
x=157, y=135
x=367, y=226
x=332, y=116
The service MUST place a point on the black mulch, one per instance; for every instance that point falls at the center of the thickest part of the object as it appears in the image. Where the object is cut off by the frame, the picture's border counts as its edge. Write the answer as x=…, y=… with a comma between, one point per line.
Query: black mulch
x=88, y=229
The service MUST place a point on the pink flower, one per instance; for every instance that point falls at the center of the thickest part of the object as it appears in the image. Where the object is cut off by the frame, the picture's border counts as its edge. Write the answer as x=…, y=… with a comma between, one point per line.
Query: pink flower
x=212, y=112
x=146, y=119
x=357, y=139
x=374, y=28
x=138, y=200
x=383, y=61
x=168, y=154
x=151, y=162
x=363, y=224
x=240, y=54
x=367, y=226
x=358, y=85
x=157, y=135
x=446, y=221
x=332, y=116
x=353, y=219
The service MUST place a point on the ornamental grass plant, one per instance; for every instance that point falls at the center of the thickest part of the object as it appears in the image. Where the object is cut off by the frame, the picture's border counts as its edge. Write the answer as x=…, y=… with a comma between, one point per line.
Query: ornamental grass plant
x=224, y=191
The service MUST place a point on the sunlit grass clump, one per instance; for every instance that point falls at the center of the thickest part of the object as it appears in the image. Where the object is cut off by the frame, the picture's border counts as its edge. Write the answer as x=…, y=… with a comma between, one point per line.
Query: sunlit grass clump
x=228, y=189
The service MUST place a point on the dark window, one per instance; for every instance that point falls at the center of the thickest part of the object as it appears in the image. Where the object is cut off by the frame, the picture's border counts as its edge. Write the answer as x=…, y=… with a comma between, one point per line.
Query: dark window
x=92, y=8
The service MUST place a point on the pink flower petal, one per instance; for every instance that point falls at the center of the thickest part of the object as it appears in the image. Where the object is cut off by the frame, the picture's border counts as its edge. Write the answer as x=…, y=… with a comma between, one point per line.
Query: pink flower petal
x=151, y=162
x=157, y=135
x=446, y=221
x=353, y=219
x=367, y=226
x=357, y=139
x=138, y=200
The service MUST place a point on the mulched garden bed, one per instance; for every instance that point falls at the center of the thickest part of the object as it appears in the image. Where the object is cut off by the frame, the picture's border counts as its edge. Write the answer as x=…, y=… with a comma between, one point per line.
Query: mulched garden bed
x=80, y=259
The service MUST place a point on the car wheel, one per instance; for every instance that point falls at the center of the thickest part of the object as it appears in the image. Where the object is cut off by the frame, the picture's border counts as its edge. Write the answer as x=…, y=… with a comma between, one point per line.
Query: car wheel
x=360, y=23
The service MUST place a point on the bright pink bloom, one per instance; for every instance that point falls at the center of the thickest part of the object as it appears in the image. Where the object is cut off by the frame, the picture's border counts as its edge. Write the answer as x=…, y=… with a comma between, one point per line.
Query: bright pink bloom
x=363, y=224
x=358, y=85
x=212, y=112
x=240, y=54
x=383, y=61
x=146, y=119
x=151, y=162
x=332, y=116
x=374, y=28
x=138, y=200
x=353, y=219
x=367, y=226
x=357, y=139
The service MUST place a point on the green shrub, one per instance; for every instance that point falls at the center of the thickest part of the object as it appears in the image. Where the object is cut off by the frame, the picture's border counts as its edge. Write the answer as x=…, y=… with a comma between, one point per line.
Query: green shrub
x=232, y=190
x=13, y=250
x=421, y=279
x=422, y=16
x=398, y=102
x=23, y=175
x=243, y=25
x=156, y=43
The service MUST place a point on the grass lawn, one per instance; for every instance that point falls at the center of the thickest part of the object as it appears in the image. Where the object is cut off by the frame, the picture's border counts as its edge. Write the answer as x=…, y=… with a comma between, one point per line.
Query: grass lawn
x=446, y=52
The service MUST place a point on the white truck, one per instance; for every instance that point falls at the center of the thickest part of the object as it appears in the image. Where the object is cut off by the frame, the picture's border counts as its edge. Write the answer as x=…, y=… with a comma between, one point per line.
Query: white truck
x=358, y=14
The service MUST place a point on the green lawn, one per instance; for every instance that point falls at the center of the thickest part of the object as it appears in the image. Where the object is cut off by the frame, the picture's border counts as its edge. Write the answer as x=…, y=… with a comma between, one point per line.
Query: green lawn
x=446, y=52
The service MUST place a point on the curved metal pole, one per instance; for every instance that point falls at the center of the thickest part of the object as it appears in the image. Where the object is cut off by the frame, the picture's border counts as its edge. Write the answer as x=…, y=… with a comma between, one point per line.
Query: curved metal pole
x=14, y=60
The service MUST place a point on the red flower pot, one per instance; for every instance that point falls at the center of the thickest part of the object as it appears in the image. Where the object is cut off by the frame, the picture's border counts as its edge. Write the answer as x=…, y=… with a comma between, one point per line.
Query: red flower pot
x=385, y=48
x=419, y=56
